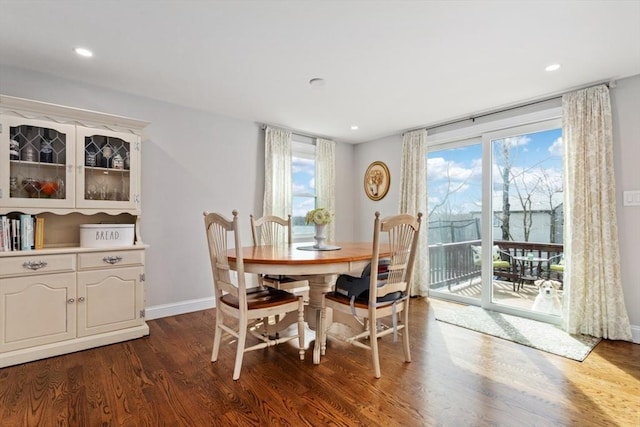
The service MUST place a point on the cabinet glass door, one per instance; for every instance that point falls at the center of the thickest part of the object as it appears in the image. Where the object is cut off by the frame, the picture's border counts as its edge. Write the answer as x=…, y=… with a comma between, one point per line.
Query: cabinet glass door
x=108, y=178
x=39, y=172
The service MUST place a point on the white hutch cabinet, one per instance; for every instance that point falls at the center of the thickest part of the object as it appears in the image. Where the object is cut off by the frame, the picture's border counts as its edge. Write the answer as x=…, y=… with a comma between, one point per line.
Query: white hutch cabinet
x=68, y=167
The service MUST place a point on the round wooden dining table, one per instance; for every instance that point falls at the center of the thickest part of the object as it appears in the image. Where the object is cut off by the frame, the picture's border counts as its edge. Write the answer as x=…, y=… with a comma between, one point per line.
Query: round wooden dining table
x=319, y=267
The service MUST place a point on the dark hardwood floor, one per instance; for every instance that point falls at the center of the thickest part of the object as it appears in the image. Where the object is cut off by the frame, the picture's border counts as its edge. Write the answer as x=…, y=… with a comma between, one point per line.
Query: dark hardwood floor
x=457, y=378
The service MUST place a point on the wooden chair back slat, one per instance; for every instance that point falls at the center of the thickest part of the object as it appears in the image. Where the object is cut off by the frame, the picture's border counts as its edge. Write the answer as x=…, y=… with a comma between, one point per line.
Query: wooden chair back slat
x=402, y=234
x=218, y=229
x=271, y=230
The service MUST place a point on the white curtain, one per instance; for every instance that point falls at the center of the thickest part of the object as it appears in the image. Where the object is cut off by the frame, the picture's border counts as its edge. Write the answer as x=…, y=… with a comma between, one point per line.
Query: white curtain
x=413, y=199
x=277, y=173
x=325, y=179
x=594, y=301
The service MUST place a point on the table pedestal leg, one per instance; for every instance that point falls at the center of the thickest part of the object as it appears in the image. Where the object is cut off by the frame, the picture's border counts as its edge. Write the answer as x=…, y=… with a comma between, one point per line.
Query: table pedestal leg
x=318, y=286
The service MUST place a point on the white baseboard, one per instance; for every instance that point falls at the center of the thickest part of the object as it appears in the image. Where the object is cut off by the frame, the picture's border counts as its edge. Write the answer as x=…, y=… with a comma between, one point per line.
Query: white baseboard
x=182, y=307
x=635, y=334
x=165, y=310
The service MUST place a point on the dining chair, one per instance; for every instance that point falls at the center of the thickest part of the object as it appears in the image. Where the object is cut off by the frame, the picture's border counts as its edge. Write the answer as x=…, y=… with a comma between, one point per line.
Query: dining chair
x=273, y=230
x=241, y=311
x=368, y=318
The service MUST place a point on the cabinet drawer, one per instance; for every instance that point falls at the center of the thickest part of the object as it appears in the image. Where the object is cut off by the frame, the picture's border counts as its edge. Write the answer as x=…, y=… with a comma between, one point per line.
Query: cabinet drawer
x=43, y=264
x=110, y=259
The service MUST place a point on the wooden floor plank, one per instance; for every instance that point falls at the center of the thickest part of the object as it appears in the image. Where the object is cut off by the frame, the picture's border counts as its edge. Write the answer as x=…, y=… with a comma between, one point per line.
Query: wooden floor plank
x=457, y=377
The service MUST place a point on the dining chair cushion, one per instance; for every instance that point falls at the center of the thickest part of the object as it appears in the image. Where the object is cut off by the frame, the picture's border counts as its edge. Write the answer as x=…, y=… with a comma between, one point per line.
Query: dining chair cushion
x=277, y=277
x=360, y=303
x=260, y=298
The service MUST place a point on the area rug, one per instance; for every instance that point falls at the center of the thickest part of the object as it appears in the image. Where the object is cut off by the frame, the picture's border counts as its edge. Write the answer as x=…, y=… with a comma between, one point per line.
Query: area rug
x=539, y=335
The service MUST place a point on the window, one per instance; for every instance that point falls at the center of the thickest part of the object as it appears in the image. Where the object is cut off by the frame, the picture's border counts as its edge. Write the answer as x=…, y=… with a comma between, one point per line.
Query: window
x=303, y=191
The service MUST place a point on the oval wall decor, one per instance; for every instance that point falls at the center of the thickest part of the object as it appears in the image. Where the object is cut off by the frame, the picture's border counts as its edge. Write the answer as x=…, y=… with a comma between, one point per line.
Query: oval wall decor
x=377, y=180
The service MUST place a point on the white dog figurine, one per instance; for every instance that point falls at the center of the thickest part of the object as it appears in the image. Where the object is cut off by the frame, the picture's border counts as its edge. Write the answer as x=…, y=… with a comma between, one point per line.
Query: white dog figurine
x=547, y=300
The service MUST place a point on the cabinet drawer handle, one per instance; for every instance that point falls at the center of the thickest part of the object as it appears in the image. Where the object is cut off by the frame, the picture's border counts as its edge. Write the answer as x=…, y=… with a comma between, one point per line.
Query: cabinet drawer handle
x=34, y=265
x=81, y=299
x=70, y=301
x=112, y=259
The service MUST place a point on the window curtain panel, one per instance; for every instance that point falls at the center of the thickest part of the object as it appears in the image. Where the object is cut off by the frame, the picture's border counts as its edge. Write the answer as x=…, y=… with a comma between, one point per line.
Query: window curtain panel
x=277, y=173
x=325, y=179
x=413, y=199
x=594, y=301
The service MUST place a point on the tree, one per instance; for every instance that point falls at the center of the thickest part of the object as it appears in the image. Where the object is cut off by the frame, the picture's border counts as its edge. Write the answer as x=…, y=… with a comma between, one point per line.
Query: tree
x=530, y=183
x=451, y=188
x=504, y=148
x=526, y=185
x=551, y=185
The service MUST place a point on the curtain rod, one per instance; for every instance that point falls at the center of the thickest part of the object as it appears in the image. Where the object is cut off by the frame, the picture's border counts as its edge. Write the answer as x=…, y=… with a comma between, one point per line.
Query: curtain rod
x=264, y=126
x=473, y=117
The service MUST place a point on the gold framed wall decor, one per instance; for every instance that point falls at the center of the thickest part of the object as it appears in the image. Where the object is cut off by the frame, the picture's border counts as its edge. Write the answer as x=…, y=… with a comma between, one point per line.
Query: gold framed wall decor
x=377, y=180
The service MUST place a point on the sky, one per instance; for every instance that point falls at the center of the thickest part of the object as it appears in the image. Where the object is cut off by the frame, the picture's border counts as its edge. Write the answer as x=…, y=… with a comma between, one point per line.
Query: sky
x=454, y=176
x=303, y=181
x=536, y=161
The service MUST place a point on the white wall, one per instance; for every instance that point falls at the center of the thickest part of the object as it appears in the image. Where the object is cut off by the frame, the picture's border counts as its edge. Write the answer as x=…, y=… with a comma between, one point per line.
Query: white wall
x=192, y=161
x=345, y=203
x=626, y=120
x=625, y=103
x=387, y=150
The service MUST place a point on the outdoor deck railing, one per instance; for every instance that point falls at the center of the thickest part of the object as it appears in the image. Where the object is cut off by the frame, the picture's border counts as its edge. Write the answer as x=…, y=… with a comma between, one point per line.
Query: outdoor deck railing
x=451, y=263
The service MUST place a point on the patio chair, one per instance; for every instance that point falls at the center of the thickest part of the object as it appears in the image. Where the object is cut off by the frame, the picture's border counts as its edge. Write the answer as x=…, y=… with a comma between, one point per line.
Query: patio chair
x=502, y=263
x=556, y=265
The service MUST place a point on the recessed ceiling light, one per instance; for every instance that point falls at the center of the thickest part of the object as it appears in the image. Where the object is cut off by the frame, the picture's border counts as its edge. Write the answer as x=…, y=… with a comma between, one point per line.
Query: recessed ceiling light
x=354, y=127
x=317, y=82
x=553, y=67
x=83, y=52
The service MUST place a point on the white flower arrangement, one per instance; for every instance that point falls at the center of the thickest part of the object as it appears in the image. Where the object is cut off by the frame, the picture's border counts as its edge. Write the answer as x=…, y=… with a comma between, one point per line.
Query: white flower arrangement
x=319, y=216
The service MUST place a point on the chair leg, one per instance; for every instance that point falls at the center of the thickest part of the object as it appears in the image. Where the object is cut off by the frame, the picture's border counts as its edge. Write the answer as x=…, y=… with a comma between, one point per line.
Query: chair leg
x=242, y=338
x=217, y=336
x=405, y=334
x=517, y=284
x=373, y=338
x=301, y=328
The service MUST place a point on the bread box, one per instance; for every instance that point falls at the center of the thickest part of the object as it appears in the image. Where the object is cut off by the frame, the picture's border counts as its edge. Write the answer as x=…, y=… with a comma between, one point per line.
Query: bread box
x=106, y=235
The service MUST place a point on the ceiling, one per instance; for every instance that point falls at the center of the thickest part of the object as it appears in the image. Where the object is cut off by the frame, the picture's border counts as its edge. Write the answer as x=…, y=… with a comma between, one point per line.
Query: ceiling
x=388, y=66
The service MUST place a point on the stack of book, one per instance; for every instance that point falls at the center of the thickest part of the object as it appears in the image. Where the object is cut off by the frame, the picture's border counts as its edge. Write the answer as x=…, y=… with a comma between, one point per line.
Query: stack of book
x=21, y=233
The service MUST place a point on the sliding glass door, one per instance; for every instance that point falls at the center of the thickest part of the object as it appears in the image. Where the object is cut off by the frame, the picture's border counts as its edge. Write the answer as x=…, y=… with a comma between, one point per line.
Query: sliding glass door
x=454, y=183
x=496, y=220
